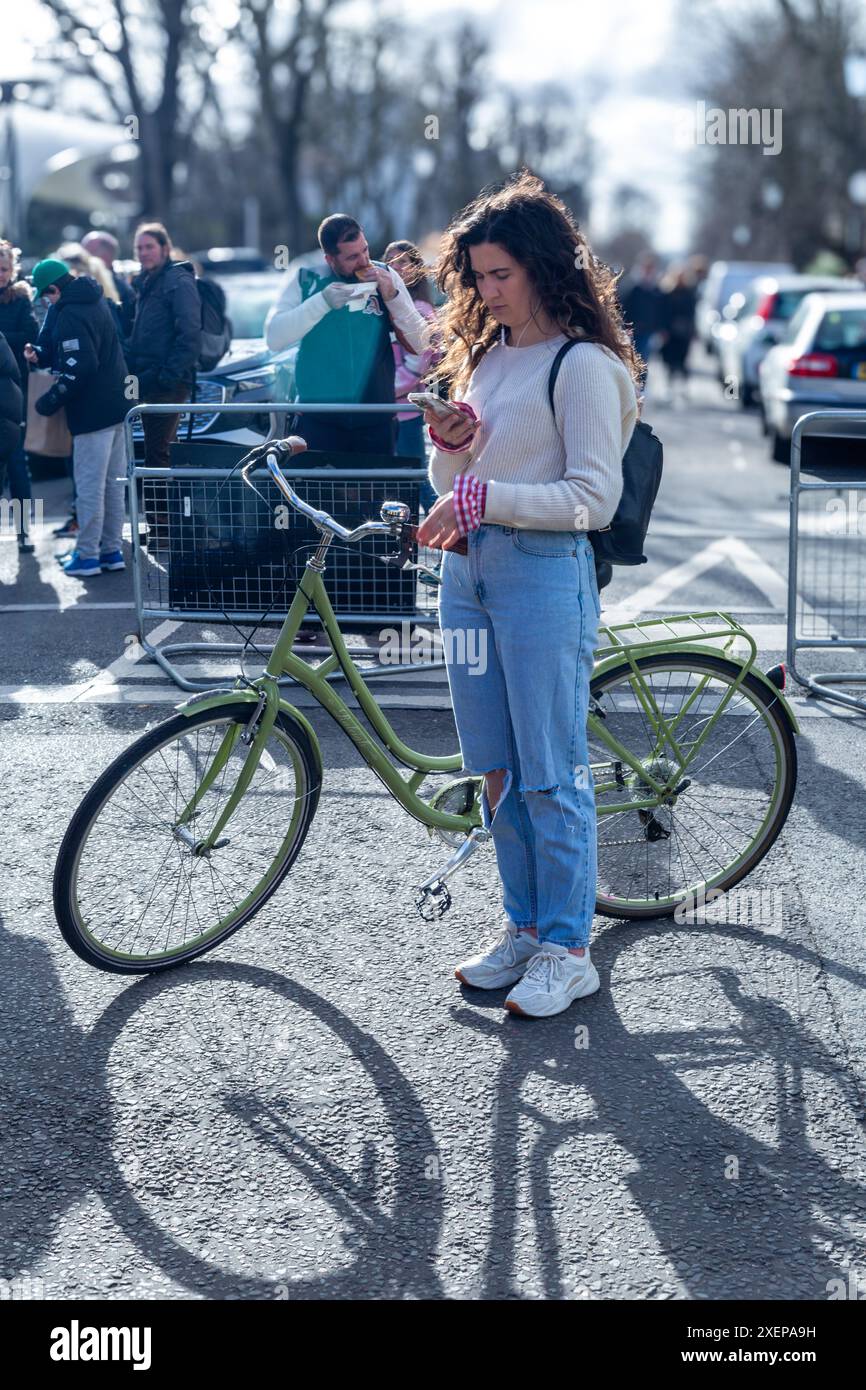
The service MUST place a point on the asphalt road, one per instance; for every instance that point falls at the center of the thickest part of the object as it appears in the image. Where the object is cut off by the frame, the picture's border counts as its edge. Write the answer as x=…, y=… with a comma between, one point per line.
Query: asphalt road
x=319, y=1109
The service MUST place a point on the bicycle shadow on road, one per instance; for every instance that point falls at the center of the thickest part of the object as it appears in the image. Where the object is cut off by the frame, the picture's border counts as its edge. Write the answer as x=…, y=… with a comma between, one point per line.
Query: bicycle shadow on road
x=273, y=1169
x=724, y=1212
x=53, y=1115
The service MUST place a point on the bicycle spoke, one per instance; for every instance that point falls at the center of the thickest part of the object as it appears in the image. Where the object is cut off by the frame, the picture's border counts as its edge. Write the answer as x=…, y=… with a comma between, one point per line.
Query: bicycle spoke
x=140, y=888
x=729, y=786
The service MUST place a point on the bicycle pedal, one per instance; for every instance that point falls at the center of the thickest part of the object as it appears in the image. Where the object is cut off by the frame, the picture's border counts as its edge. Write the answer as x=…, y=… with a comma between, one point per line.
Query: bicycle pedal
x=432, y=911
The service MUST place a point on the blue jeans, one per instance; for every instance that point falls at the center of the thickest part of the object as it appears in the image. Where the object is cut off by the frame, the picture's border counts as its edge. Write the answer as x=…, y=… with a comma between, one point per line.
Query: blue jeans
x=519, y=616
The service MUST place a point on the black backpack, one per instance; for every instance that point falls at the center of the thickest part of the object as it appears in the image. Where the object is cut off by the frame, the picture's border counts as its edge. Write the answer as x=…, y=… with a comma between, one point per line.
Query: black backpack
x=622, y=542
x=216, y=328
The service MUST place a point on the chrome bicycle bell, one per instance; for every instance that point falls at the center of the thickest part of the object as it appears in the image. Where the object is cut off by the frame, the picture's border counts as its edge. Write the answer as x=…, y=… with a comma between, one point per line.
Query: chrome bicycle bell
x=395, y=513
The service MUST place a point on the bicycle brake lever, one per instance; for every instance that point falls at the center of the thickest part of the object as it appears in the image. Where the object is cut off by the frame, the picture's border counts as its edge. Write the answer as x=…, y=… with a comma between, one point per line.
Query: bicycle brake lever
x=400, y=558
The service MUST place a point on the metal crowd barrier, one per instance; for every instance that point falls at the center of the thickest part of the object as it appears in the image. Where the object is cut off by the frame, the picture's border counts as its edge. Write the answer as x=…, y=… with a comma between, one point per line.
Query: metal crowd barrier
x=214, y=552
x=827, y=553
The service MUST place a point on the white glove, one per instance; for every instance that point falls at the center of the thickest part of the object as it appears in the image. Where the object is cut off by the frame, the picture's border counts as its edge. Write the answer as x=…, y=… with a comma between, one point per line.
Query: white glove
x=338, y=294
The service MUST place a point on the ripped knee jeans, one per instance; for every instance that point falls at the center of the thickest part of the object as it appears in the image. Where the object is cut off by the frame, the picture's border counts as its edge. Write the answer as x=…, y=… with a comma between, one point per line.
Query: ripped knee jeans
x=519, y=617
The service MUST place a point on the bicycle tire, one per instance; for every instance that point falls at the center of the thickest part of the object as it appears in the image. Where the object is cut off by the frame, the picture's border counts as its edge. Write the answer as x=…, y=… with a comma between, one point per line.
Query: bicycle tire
x=777, y=717
x=66, y=907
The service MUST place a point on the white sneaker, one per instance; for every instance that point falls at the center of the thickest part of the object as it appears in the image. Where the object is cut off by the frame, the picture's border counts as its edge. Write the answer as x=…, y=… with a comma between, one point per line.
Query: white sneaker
x=552, y=981
x=502, y=962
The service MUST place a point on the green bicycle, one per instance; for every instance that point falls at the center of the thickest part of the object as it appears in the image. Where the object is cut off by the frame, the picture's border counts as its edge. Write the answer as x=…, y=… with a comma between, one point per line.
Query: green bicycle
x=193, y=828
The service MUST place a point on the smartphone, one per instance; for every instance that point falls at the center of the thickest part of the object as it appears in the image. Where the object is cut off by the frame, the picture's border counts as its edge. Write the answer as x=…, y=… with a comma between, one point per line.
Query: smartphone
x=430, y=401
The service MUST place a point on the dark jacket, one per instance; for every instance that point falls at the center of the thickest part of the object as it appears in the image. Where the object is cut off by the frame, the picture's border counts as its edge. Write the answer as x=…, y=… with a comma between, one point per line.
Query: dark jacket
x=678, y=312
x=166, y=335
x=11, y=401
x=641, y=307
x=79, y=341
x=18, y=322
x=125, y=310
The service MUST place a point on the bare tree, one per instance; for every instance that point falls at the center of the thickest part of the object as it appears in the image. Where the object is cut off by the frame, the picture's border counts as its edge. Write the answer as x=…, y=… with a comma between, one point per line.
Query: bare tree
x=787, y=55
x=290, y=61
x=149, y=63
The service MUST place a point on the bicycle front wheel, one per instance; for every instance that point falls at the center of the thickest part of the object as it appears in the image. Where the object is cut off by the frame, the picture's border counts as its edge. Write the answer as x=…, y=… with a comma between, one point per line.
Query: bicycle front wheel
x=732, y=797
x=132, y=893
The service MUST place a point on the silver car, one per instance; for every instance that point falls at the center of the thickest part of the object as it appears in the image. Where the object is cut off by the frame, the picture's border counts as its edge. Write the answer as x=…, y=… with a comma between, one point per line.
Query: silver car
x=768, y=305
x=820, y=364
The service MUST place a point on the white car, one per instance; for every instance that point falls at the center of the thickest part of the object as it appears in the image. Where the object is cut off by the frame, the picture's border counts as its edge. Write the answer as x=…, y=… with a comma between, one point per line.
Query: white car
x=761, y=320
x=820, y=365
x=724, y=278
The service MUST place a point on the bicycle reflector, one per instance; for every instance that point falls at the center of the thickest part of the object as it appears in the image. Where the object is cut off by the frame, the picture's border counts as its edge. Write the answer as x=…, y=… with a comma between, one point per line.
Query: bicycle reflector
x=777, y=675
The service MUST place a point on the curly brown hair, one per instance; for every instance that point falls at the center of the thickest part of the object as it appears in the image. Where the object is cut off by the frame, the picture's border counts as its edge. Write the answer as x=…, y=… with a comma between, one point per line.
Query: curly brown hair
x=577, y=290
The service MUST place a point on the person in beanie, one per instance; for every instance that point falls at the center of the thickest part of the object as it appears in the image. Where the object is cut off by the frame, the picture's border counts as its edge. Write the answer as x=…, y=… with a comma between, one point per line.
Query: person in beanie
x=83, y=349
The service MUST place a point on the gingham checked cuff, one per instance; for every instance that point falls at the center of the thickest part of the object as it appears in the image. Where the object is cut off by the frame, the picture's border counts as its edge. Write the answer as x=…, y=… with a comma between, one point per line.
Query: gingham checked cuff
x=470, y=497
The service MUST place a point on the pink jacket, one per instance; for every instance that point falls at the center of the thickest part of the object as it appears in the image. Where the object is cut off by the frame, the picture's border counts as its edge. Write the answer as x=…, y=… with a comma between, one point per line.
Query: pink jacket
x=409, y=368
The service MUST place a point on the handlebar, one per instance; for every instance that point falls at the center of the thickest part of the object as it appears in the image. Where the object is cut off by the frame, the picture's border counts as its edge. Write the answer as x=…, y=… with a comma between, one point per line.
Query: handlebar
x=398, y=522
x=269, y=453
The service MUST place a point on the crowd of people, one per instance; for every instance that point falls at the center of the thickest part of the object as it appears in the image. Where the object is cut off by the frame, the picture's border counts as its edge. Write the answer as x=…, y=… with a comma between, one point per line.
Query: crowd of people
x=108, y=344
x=76, y=337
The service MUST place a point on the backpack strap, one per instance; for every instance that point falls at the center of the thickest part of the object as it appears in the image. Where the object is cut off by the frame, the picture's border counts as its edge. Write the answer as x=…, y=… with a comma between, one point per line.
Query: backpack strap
x=554, y=370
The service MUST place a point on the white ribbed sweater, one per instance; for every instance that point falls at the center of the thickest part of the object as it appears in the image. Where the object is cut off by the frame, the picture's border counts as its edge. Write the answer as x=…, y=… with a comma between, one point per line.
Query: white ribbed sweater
x=562, y=475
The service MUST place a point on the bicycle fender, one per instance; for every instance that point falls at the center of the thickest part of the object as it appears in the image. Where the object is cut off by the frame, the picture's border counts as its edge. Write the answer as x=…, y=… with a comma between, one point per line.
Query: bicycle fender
x=227, y=695
x=696, y=649
x=792, y=718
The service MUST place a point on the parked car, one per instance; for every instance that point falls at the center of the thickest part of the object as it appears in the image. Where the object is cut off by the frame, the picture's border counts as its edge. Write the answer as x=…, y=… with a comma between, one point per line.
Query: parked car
x=820, y=365
x=761, y=318
x=231, y=260
x=724, y=278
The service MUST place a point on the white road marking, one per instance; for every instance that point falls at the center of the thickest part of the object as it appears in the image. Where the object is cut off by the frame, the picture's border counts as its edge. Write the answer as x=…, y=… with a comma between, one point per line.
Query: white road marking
x=56, y=608
x=646, y=598
x=725, y=549
x=122, y=666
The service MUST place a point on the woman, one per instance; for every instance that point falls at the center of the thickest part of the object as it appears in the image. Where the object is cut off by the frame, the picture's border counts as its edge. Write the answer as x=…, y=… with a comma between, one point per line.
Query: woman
x=18, y=326
x=409, y=369
x=519, y=611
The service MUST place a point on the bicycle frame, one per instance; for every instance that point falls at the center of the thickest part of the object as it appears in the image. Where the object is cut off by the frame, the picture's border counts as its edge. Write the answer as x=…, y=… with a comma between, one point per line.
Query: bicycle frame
x=264, y=694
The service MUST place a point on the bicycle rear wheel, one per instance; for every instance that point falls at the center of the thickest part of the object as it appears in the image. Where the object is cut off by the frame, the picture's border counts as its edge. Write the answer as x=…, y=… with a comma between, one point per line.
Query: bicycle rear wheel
x=736, y=793
x=131, y=893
